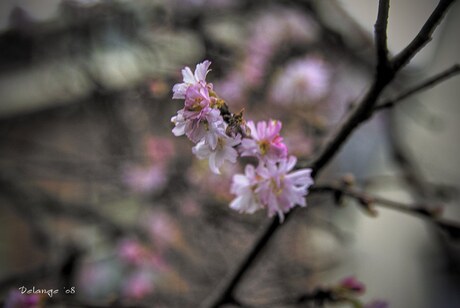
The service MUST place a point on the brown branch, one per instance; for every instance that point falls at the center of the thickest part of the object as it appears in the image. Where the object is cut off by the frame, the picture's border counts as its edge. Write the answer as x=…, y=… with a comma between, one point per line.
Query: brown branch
x=430, y=214
x=425, y=85
x=363, y=112
x=424, y=36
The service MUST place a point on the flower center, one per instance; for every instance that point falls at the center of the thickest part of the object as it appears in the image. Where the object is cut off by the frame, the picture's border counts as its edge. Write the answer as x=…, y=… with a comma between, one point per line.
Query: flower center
x=264, y=145
x=197, y=105
x=275, y=188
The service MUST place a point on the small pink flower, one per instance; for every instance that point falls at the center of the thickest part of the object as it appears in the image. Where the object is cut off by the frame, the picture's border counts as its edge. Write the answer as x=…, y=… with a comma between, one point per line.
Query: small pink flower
x=199, y=77
x=282, y=190
x=271, y=186
x=265, y=141
x=197, y=102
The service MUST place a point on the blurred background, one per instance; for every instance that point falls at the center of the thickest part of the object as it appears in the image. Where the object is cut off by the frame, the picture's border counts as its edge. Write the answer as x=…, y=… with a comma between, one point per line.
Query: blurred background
x=97, y=194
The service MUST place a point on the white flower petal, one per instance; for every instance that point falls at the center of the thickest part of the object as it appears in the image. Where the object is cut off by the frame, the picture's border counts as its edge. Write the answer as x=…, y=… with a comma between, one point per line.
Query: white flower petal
x=212, y=164
x=188, y=75
x=201, y=150
x=201, y=70
x=179, y=90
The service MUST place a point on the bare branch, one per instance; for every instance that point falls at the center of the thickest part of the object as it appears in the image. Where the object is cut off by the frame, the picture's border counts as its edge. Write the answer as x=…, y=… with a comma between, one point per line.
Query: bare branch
x=432, y=214
x=225, y=290
x=425, y=85
x=380, y=29
x=424, y=36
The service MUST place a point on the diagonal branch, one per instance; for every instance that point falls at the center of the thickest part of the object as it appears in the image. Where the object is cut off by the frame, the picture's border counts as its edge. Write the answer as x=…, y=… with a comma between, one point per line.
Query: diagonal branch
x=425, y=85
x=418, y=210
x=424, y=36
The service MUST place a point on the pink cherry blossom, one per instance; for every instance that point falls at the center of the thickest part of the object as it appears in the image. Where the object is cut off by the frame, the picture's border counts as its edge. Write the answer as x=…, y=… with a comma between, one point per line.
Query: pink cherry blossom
x=265, y=141
x=189, y=78
x=197, y=102
x=281, y=190
x=271, y=186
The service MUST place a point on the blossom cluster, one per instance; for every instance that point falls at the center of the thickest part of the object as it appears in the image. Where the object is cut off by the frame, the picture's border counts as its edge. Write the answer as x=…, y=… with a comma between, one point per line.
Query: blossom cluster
x=221, y=136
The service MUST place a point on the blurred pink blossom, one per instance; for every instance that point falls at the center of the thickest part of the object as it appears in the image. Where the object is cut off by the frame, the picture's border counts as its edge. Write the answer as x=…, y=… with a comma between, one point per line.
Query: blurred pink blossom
x=299, y=143
x=163, y=229
x=131, y=251
x=138, y=285
x=303, y=81
x=16, y=299
x=160, y=150
x=145, y=179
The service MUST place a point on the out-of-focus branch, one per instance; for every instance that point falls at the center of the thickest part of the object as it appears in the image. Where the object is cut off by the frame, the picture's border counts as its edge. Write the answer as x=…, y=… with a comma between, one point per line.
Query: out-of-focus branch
x=424, y=36
x=425, y=85
x=367, y=201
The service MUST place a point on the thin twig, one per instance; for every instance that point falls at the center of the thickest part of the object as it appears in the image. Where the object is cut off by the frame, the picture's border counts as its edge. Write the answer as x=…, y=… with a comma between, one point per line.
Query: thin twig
x=430, y=214
x=424, y=36
x=425, y=85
